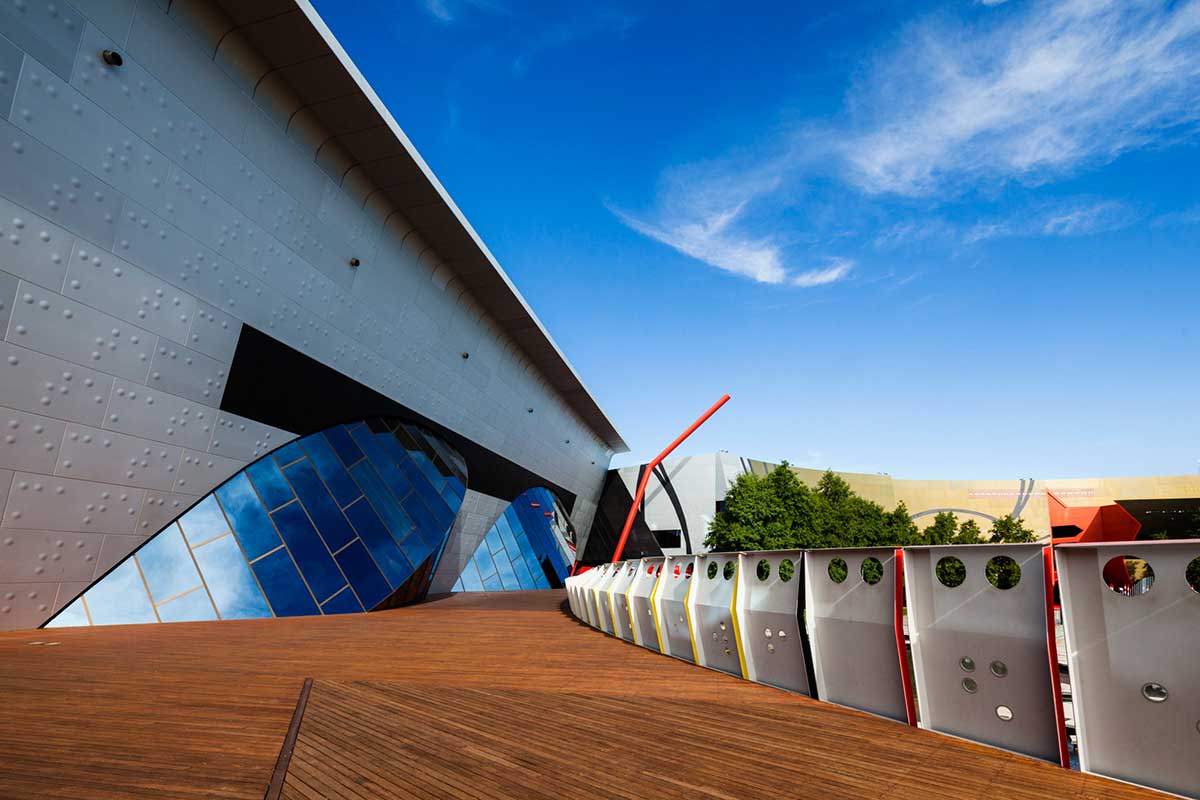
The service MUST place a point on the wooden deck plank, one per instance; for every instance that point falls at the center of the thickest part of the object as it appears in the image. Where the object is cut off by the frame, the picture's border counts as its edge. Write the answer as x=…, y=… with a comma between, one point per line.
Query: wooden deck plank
x=473, y=696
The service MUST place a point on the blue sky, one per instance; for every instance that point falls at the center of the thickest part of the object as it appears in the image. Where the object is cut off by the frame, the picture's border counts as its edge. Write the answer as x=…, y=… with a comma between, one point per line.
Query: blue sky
x=939, y=240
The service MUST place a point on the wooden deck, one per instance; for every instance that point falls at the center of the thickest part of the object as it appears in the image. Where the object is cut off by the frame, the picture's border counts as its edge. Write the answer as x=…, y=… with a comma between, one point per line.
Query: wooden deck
x=478, y=696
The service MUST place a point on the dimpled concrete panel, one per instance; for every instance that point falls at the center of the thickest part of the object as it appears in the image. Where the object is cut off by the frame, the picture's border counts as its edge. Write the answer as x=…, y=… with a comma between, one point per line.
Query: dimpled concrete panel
x=979, y=652
x=141, y=411
x=95, y=454
x=31, y=247
x=43, y=502
x=29, y=441
x=1133, y=651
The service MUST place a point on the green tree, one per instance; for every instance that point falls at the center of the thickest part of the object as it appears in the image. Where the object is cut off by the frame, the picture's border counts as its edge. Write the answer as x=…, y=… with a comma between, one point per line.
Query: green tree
x=1010, y=531
x=969, y=533
x=943, y=529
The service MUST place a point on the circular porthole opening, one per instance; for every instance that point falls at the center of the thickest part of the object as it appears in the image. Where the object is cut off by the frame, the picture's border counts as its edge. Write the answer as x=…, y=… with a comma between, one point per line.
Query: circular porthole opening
x=970, y=686
x=950, y=571
x=999, y=669
x=764, y=569
x=786, y=570
x=871, y=570
x=838, y=570
x=712, y=570
x=1128, y=576
x=687, y=573
x=1004, y=713
x=729, y=570
x=1192, y=574
x=967, y=664
x=1002, y=572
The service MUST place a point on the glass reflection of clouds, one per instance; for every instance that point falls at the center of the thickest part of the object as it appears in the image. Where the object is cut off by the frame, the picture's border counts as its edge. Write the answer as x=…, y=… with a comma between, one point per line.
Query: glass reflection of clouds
x=333, y=523
x=230, y=581
x=120, y=599
x=526, y=548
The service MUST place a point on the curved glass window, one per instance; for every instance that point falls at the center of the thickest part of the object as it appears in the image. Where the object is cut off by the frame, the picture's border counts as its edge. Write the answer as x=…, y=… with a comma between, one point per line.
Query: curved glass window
x=527, y=548
x=337, y=522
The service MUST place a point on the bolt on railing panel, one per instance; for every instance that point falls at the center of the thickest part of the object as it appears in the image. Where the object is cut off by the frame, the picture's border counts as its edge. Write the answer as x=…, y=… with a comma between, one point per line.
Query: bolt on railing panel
x=979, y=652
x=711, y=609
x=641, y=611
x=670, y=599
x=769, y=590
x=850, y=610
x=1132, y=616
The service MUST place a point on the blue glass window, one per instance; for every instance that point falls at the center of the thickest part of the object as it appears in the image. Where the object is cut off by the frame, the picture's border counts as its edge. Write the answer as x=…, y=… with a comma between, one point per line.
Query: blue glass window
x=308, y=551
x=288, y=453
x=344, y=602
x=73, y=616
x=484, y=562
x=167, y=565
x=230, y=581
x=416, y=549
x=379, y=542
x=250, y=522
x=517, y=546
x=120, y=598
x=368, y=582
x=492, y=583
x=431, y=529
x=204, y=521
x=272, y=488
x=469, y=580
x=191, y=607
x=343, y=445
x=507, y=576
x=325, y=513
x=331, y=470
x=522, y=571
x=286, y=592
x=383, y=502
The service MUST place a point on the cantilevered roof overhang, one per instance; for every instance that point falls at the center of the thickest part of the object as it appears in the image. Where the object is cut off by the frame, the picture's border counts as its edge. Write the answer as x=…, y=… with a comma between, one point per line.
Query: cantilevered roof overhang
x=289, y=45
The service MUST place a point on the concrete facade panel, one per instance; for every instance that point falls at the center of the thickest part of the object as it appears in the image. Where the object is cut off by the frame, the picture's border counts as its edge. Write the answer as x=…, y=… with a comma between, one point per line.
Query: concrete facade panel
x=150, y=414
x=47, y=385
x=29, y=442
x=94, y=454
x=42, y=502
x=33, y=248
x=48, y=555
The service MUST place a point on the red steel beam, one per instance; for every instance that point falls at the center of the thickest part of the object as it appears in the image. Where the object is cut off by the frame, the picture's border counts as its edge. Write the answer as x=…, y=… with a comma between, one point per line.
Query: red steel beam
x=641, y=490
x=910, y=706
x=1064, y=752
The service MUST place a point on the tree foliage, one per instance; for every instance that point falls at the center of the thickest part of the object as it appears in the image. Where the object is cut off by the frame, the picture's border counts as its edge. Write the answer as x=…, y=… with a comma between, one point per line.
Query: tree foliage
x=778, y=511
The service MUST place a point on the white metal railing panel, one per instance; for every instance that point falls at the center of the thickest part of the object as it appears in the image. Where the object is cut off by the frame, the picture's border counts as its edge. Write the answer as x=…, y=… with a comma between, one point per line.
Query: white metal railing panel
x=569, y=583
x=670, y=611
x=980, y=652
x=618, y=598
x=710, y=608
x=641, y=610
x=850, y=610
x=597, y=576
x=1132, y=616
x=582, y=598
x=603, y=602
x=768, y=590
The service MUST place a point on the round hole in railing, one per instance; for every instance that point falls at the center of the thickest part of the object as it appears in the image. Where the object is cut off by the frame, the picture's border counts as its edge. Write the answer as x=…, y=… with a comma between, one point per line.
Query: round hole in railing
x=632, y=569
x=712, y=570
x=1004, y=713
x=649, y=569
x=1192, y=574
x=687, y=573
x=729, y=570
x=1154, y=692
x=871, y=570
x=786, y=570
x=676, y=571
x=969, y=685
x=659, y=571
x=838, y=570
x=1128, y=576
x=967, y=664
x=767, y=633
x=950, y=571
x=999, y=669
x=1002, y=572
x=763, y=570
x=782, y=634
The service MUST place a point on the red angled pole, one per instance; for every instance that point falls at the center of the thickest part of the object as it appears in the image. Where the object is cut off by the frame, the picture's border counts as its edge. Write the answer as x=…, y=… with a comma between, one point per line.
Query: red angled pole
x=641, y=489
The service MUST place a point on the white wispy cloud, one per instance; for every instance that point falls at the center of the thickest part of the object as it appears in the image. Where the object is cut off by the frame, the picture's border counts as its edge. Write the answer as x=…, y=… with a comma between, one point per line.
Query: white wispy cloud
x=1059, y=218
x=1043, y=92
x=451, y=10
x=838, y=269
